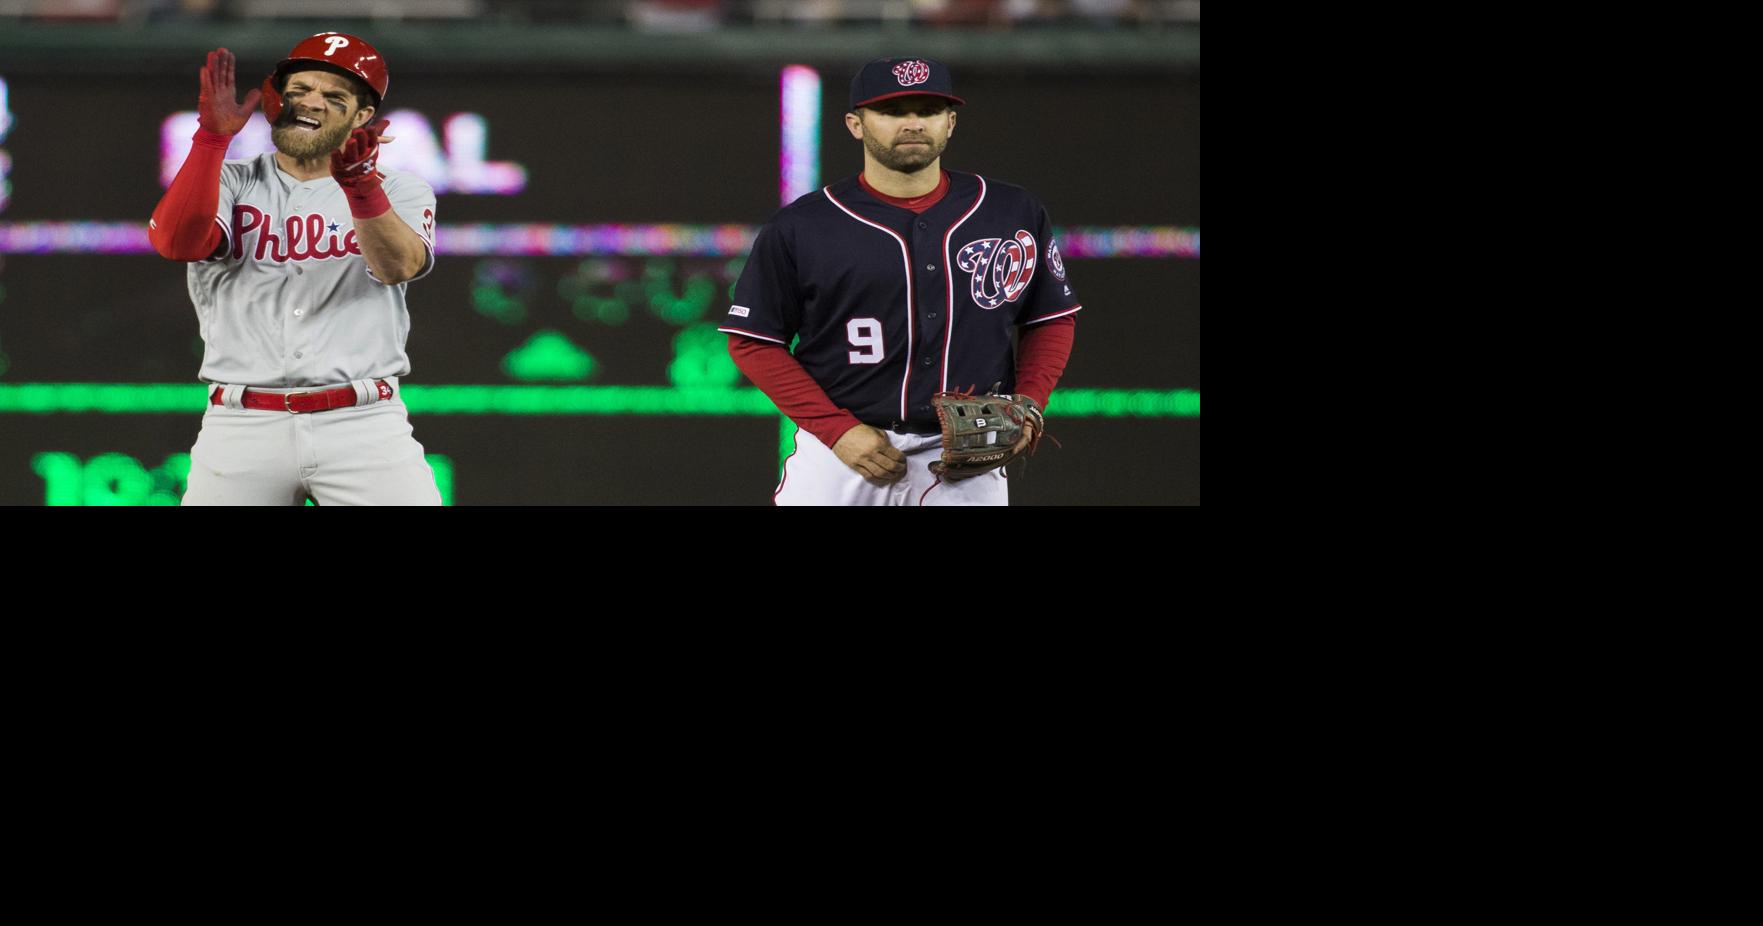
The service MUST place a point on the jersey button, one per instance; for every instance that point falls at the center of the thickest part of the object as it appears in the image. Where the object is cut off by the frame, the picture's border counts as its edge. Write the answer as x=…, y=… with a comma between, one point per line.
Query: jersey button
x=299, y=312
x=299, y=270
x=298, y=355
x=924, y=225
x=930, y=266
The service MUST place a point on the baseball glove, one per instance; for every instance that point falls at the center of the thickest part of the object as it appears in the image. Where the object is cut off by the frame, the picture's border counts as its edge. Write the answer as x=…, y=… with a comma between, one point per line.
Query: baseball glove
x=984, y=432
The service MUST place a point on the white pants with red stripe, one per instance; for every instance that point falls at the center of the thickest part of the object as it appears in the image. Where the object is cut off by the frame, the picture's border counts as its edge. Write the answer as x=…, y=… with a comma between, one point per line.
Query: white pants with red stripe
x=813, y=475
x=365, y=455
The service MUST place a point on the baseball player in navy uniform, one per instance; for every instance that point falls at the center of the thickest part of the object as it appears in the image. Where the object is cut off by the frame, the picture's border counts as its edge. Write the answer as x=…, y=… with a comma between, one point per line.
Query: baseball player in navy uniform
x=299, y=262
x=902, y=282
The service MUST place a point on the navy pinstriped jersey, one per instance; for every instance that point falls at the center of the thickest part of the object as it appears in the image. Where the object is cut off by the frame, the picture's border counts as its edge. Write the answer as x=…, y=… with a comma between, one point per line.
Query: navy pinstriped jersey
x=894, y=307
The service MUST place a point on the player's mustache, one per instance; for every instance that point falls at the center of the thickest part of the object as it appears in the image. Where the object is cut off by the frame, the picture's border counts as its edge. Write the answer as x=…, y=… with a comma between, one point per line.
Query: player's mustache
x=289, y=115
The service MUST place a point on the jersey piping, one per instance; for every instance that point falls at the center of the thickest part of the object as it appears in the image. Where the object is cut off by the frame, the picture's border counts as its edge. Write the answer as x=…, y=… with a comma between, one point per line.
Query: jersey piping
x=745, y=333
x=1048, y=318
x=949, y=277
x=911, y=301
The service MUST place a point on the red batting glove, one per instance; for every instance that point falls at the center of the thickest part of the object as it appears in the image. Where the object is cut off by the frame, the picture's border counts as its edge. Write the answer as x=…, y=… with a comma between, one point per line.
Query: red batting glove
x=355, y=167
x=183, y=226
x=217, y=109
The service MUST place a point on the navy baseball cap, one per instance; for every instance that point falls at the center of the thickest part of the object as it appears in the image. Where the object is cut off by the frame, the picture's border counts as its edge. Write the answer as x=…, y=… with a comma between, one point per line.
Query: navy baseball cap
x=886, y=78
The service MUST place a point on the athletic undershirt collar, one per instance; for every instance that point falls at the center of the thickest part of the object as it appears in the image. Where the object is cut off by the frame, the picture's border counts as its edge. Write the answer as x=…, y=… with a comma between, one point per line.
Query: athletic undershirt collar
x=917, y=204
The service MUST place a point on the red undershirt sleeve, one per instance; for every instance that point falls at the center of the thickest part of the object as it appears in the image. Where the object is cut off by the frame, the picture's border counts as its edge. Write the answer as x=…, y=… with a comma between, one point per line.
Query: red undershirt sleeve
x=183, y=226
x=780, y=376
x=1041, y=356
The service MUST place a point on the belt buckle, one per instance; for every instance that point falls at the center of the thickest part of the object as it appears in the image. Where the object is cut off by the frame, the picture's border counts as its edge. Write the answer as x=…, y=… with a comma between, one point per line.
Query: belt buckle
x=287, y=400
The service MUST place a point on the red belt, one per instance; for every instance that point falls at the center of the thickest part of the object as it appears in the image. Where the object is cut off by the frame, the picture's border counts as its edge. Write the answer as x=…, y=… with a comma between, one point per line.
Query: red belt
x=301, y=402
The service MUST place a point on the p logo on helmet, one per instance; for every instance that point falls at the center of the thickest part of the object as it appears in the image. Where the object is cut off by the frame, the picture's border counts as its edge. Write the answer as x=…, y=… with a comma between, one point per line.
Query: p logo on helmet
x=333, y=51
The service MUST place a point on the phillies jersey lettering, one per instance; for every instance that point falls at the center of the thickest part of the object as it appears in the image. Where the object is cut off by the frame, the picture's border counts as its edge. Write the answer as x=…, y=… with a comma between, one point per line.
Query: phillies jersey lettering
x=288, y=300
x=893, y=307
x=302, y=238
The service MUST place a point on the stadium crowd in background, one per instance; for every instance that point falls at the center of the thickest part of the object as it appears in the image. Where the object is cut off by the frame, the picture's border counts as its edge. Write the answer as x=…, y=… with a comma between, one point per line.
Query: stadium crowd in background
x=658, y=15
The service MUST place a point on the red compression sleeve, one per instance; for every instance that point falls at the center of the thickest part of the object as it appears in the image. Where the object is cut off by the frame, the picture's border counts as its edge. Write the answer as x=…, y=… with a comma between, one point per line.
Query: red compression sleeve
x=1041, y=357
x=183, y=226
x=780, y=376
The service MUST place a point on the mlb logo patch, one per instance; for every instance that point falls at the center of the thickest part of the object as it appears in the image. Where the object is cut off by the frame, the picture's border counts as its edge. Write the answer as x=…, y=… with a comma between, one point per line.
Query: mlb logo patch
x=739, y=311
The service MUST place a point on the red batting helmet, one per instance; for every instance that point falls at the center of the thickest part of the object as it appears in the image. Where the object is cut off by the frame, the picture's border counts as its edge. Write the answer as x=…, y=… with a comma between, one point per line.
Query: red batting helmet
x=328, y=51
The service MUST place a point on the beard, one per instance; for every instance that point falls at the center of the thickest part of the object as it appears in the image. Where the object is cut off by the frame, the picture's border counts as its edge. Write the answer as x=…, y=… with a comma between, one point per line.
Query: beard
x=908, y=160
x=304, y=144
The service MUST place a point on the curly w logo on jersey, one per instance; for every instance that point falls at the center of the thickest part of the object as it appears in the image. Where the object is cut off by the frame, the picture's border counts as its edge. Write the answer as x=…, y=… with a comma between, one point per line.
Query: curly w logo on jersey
x=911, y=73
x=1001, y=269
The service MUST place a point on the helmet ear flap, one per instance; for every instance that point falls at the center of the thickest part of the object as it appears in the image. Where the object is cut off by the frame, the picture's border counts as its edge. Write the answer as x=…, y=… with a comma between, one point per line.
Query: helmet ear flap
x=272, y=100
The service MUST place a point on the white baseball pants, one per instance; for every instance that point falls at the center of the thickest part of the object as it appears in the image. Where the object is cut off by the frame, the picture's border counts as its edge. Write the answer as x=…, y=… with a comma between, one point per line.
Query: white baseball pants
x=365, y=455
x=813, y=475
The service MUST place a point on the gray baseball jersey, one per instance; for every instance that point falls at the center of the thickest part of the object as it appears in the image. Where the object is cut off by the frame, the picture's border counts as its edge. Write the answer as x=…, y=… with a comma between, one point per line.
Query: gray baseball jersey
x=288, y=299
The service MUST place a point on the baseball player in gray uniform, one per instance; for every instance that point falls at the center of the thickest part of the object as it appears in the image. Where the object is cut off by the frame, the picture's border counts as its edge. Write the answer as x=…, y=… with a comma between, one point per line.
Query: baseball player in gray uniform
x=299, y=262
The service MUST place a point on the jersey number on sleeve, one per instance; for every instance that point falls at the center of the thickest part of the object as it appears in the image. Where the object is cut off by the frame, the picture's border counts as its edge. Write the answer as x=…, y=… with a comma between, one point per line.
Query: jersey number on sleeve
x=866, y=334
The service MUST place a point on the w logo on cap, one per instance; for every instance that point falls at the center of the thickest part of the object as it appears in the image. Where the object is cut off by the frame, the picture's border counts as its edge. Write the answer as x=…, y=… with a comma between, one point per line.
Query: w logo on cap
x=912, y=73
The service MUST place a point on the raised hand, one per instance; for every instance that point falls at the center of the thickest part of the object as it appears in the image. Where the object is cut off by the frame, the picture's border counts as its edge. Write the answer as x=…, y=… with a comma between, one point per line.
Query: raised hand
x=217, y=109
x=358, y=159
